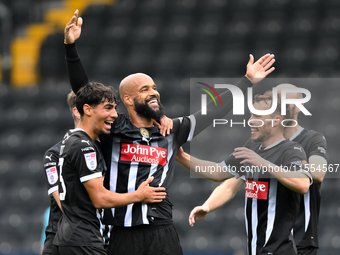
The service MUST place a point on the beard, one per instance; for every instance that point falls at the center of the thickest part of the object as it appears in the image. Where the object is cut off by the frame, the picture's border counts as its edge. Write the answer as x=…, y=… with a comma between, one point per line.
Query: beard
x=265, y=133
x=146, y=111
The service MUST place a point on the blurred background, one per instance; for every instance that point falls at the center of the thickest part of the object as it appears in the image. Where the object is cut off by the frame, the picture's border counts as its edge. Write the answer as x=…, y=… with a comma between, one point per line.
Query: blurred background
x=172, y=41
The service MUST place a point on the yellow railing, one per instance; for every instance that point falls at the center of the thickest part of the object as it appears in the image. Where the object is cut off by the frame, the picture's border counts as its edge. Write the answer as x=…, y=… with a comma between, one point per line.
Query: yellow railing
x=25, y=51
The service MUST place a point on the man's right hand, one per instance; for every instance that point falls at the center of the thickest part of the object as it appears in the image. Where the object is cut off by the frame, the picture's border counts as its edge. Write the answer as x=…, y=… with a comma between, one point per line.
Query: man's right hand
x=198, y=213
x=150, y=194
x=73, y=28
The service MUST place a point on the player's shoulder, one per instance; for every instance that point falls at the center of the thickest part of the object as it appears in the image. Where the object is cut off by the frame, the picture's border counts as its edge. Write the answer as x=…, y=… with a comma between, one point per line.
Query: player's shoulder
x=77, y=139
x=312, y=134
x=292, y=147
x=290, y=144
x=52, y=154
x=122, y=124
x=54, y=149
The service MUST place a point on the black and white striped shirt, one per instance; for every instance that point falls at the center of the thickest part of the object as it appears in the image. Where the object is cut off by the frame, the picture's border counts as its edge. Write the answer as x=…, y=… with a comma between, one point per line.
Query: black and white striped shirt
x=306, y=226
x=127, y=171
x=132, y=159
x=271, y=209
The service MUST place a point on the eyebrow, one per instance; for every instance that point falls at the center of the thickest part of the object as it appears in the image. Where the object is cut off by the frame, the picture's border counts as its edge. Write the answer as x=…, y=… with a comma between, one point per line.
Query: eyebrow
x=146, y=86
x=108, y=103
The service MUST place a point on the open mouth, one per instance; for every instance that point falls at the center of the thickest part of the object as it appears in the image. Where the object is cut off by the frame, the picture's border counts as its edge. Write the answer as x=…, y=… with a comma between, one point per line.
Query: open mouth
x=108, y=124
x=153, y=101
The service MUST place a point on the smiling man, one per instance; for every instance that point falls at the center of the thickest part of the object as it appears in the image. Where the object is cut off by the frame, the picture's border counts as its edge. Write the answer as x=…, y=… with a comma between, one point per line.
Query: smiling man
x=272, y=169
x=81, y=170
x=142, y=102
x=136, y=150
x=306, y=226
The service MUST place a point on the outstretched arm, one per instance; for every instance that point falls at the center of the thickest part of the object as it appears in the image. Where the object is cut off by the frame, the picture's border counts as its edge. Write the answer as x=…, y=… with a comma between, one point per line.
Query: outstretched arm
x=255, y=73
x=76, y=71
x=220, y=196
x=206, y=169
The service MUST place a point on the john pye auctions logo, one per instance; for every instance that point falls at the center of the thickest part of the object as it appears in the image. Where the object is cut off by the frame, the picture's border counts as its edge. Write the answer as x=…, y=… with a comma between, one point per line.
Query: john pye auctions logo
x=143, y=154
x=256, y=189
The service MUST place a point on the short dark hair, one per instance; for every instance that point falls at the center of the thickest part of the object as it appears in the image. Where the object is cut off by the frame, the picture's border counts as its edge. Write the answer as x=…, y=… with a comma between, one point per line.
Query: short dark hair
x=267, y=97
x=93, y=94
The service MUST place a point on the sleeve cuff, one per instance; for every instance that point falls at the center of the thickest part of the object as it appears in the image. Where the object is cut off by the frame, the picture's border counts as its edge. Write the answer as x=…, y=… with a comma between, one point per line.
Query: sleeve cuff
x=308, y=174
x=53, y=189
x=247, y=81
x=91, y=176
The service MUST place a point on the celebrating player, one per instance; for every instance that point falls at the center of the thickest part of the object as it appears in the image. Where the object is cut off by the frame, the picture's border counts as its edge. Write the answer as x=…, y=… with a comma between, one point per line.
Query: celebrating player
x=81, y=169
x=273, y=186
x=50, y=161
x=306, y=226
x=136, y=150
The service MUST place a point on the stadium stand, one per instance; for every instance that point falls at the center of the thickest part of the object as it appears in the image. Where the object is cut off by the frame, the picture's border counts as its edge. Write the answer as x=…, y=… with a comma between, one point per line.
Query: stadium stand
x=172, y=41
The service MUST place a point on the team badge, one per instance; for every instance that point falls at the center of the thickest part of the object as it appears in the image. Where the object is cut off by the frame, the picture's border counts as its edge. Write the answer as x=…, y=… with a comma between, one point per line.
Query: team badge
x=145, y=135
x=52, y=175
x=91, y=160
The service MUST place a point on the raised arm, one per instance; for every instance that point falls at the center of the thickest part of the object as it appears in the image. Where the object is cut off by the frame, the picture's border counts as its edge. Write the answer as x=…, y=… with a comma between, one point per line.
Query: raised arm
x=255, y=73
x=220, y=196
x=76, y=71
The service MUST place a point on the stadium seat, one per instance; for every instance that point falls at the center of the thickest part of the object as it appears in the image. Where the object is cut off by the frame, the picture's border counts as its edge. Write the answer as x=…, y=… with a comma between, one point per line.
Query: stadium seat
x=52, y=57
x=168, y=61
x=177, y=29
x=181, y=6
x=151, y=7
x=214, y=7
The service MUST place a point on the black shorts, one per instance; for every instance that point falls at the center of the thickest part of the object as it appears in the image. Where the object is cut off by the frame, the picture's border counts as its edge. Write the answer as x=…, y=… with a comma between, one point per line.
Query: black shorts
x=145, y=241
x=77, y=250
x=310, y=250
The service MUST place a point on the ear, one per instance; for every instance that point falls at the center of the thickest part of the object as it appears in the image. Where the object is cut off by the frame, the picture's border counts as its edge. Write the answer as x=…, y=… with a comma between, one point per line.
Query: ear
x=76, y=113
x=87, y=109
x=128, y=101
x=278, y=120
